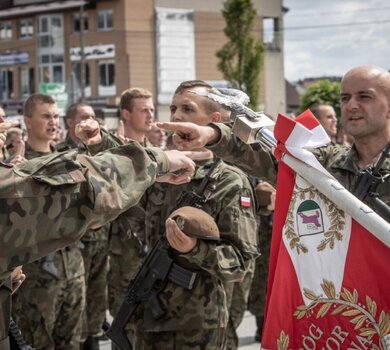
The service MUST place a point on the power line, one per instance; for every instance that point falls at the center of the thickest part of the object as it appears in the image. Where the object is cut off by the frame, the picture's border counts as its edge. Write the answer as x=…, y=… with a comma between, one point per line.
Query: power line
x=337, y=25
x=306, y=14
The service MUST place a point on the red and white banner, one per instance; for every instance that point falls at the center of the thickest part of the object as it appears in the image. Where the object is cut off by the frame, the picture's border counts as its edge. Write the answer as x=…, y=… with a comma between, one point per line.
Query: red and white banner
x=329, y=278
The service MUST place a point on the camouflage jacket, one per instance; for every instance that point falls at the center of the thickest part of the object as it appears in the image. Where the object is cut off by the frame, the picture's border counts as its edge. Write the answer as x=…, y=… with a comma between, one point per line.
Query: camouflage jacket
x=254, y=161
x=216, y=263
x=67, y=262
x=49, y=202
x=128, y=229
x=340, y=161
x=100, y=234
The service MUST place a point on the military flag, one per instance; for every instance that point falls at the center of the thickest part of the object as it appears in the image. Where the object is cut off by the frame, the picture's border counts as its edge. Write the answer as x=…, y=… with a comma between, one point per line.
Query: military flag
x=329, y=278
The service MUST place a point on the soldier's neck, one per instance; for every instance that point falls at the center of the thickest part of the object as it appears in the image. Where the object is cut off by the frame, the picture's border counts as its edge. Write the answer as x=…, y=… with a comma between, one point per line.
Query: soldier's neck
x=38, y=145
x=134, y=135
x=368, y=152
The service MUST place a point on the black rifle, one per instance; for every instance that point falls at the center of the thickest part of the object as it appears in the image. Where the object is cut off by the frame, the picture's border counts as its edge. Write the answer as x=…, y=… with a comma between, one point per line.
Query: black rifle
x=367, y=184
x=16, y=341
x=157, y=268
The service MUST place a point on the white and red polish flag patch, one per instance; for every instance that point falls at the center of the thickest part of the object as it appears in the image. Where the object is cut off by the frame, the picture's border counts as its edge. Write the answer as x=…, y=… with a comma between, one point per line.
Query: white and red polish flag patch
x=245, y=201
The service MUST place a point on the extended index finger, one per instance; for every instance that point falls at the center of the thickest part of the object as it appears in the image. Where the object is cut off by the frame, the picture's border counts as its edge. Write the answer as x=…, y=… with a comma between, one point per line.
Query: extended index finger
x=176, y=126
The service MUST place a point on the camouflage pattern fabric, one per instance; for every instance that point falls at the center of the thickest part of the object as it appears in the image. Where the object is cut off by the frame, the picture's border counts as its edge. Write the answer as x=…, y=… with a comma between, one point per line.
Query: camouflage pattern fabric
x=237, y=295
x=52, y=318
x=96, y=266
x=253, y=161
x=81, y=192
x=49, y=312
x=203, y=309
x=94, y=252
x=127, y=246
x=127, y=250
x=258, y=291
x=88, y=191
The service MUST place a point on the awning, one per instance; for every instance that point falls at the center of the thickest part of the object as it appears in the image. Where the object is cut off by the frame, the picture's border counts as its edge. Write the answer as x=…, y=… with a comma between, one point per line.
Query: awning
x=59, y=6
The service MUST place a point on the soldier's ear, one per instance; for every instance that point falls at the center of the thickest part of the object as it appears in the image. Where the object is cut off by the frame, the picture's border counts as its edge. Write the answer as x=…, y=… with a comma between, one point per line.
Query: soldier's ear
x=216, y=117
x=27, y=122
x=125, y=114
x=69, y=122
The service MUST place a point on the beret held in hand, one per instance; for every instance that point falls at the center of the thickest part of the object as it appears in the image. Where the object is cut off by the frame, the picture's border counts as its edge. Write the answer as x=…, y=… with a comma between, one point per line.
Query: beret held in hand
x=196, y=223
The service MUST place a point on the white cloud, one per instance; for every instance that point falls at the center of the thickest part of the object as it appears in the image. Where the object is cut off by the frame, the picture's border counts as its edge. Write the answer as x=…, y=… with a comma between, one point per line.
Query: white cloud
x=328, y=37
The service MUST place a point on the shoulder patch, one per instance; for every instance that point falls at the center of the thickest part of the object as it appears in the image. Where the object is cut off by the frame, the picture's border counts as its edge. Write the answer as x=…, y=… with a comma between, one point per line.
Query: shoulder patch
x=245, y=201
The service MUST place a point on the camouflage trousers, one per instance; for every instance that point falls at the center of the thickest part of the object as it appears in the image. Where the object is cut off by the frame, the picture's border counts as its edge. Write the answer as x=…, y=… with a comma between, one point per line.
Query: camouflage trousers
x=49, y=312
x=237, y=295
x=258, y=292
x=96, y=268
x=195, y=339
x=122, y=269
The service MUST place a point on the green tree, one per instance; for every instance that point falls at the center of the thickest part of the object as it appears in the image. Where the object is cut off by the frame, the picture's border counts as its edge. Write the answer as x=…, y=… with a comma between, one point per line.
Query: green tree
x=322, y=92
x=242, y=57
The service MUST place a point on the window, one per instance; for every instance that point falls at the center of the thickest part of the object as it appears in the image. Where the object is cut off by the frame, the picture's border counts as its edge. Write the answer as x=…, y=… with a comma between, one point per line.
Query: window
x=51, y=49
x=52, y=73
x=26, y=29
x=272, y=38
x=105, y=20
x=77, y=22
x=106, y=78
x=6, y=84
x=26, y=75
x=5, y=31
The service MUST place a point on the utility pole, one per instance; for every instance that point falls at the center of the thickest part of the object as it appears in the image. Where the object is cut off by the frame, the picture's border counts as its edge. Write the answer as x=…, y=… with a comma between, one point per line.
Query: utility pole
x=82, y=55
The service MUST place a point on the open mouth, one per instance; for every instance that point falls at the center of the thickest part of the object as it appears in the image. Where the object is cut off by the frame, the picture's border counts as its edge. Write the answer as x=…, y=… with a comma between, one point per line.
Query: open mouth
x=355, y=118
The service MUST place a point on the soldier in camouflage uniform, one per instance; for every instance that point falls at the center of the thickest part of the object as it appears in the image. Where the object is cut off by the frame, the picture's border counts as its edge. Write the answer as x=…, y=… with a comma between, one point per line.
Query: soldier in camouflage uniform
x=93, y=245
x=199, y=317
x=49, y=305
x=127, y=247
x=84, y=192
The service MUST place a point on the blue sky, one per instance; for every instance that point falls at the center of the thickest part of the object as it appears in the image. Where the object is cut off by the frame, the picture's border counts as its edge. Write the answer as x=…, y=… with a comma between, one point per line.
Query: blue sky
x=328, y=37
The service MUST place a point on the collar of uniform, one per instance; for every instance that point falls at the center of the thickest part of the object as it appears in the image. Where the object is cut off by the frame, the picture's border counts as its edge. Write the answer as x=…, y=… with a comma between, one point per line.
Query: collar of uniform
x=30, y=153
x=202, y=168
x=348, y=161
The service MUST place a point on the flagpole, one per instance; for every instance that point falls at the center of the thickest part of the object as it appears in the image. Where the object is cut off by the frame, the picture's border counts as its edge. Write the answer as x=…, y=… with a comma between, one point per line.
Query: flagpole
x=250, y=131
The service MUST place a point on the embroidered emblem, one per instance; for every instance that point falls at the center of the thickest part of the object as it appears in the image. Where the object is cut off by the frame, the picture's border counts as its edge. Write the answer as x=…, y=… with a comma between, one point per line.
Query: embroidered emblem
x=372, y=326
x=309, y=218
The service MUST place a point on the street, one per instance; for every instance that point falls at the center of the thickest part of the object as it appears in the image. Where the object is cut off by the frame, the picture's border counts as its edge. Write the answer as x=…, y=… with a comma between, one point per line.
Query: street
x=246, y=333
